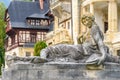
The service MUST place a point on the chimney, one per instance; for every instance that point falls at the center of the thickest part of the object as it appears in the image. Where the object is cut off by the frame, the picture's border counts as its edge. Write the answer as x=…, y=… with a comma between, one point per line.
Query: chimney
x=41, y=4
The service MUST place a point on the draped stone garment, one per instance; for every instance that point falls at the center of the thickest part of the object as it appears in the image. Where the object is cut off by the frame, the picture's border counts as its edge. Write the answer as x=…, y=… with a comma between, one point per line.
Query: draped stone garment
x=75, y=52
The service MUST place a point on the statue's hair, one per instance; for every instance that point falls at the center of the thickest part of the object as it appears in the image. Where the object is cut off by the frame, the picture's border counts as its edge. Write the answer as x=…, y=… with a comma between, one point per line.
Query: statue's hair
x=90, y=15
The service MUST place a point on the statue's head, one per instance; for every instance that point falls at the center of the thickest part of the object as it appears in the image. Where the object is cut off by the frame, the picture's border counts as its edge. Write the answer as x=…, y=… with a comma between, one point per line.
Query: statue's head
x=88, y=19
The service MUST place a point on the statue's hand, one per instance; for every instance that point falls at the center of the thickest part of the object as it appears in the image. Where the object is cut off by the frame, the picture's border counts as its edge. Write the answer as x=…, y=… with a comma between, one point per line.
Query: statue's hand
x=101, y=59
x=95, y=59
x=81, y=39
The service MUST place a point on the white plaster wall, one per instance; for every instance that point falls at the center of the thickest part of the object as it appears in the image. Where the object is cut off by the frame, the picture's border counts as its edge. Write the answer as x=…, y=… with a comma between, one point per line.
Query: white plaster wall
x=16, y=50
x=20, y=51
x=11, y=52
x=99, y=19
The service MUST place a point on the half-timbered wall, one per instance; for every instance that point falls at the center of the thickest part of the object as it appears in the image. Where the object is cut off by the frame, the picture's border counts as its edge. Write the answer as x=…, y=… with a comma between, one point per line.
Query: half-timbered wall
x=27, y=36
x=24, y=36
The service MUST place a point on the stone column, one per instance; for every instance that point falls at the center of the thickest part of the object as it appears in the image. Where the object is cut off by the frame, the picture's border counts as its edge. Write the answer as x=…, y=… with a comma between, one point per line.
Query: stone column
x=56, y=21
x=112, y=23
x=56, y=24
x=92, y=8
x=75, y=19
x=83, y=28
x=112, y=16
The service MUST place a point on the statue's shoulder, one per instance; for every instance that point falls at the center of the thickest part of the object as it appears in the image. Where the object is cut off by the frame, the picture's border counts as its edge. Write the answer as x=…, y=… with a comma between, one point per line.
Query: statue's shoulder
x=95, y=26
x=95, y=29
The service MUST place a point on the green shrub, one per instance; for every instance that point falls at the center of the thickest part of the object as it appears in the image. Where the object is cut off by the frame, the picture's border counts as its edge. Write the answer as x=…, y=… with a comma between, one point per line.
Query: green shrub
x=38, y=47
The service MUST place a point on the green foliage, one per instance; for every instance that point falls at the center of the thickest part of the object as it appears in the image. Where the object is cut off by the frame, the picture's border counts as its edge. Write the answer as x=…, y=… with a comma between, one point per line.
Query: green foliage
x=2, y=35
x=38, y=47
x=2, y=60
x=2, y=11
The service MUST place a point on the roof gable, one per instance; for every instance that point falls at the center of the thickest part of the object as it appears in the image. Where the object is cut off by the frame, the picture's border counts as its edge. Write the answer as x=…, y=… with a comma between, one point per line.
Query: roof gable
x=19, y=10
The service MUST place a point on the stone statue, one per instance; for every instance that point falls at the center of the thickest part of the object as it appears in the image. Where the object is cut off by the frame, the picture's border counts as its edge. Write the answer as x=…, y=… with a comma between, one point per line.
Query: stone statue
x=63, y=52
x=96, y=40
x=94, y=43
x=91, y=48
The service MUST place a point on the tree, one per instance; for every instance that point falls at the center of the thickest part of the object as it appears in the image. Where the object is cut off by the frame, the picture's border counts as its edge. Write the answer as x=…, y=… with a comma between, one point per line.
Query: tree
x=2, y=10
x=38, y=47
x=2, y=35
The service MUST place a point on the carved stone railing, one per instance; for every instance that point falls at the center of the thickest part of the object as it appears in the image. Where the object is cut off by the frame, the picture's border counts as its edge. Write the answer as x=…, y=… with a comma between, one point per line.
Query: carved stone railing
x=59, y=36
x=62, y=36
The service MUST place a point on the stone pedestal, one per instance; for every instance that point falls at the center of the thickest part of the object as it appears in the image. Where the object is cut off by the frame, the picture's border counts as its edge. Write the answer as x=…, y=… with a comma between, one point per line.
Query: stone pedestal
x=61, y=71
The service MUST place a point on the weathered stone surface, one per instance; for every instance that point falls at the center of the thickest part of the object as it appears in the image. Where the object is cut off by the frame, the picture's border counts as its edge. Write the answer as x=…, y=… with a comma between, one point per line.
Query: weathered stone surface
x=60, y=71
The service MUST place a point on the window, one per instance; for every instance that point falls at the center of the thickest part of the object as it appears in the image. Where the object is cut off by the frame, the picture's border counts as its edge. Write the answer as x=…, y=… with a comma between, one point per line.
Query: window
x=43, y=35
x=22, y=36
x=45, y=22
x=27, y=54
x=29, y=21
x=27, y=36
x=38, y=22
x=38, y=36
x=33, y=37
x=68, y=25
x=105, y=27
x=32, y=22
x=118, y=52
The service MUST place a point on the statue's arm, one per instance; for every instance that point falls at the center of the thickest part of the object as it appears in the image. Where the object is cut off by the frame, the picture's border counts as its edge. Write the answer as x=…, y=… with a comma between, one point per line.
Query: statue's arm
x=98, y=37
x=101, y=46
x=82, y=37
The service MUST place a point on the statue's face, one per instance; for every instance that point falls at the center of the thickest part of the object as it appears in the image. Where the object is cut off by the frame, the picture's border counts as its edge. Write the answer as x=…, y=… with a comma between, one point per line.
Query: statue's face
x=87, y=21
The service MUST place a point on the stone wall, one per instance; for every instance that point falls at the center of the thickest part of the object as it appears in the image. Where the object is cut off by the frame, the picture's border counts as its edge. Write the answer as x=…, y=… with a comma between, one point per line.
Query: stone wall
x=60, y=71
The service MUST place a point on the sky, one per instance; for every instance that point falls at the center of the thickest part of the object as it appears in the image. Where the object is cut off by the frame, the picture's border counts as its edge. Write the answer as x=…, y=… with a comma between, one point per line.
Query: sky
x=6, y=2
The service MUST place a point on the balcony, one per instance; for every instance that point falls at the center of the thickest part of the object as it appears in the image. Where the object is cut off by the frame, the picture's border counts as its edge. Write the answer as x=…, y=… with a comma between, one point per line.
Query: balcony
x=60, y=6
x=59, y=37
x=56, y=2
x=62, y=36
